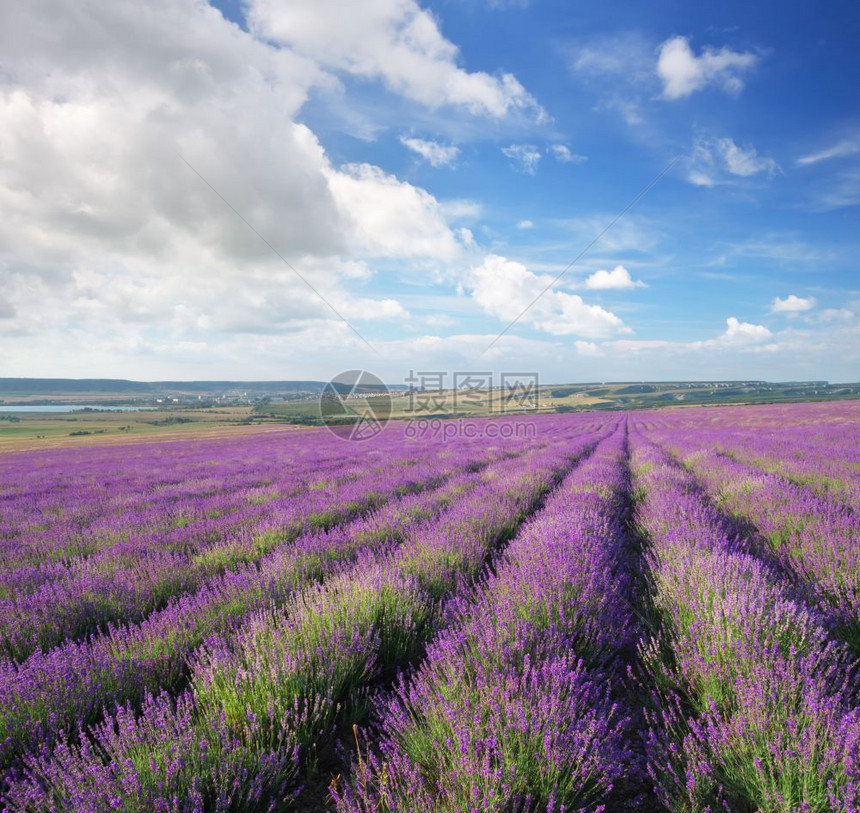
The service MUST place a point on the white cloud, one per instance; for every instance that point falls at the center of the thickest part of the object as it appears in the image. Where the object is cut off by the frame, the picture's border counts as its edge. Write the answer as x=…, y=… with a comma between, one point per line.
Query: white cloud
x=617, y=279
x=563, y=154
x=395, y=41
x=739, y=337
x=683, y=73
x=525, y=157
x=364, y=309
x=111, y=240
x=435, y=154
x=699, y=177
x=525, y=224
x=503, y=288
x=743, y=162
x=738, y=334
x=390, y=217
x=465, y=236
x=714, y=159
x=849, y=146
x=792, y=304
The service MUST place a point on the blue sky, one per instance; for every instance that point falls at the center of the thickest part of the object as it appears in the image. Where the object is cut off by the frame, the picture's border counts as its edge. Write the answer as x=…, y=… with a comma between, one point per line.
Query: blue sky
x=429, y=168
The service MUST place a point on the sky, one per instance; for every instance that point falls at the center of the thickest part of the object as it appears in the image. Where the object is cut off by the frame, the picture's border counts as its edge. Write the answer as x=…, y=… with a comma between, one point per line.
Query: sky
x=286, y=189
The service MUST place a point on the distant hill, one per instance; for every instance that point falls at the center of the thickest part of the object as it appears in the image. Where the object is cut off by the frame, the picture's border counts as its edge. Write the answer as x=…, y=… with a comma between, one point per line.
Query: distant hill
x=57, y=386
x=644, y=395
x=122, y=391
x=281, y=399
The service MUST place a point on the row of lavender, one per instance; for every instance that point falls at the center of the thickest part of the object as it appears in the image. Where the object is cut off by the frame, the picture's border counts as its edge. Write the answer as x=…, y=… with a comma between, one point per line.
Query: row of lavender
x=520, y=703
x=71, y=682
x=319, y=645
x=805, y=516
x=813, y=445
x=674, y=628
x=742, y=693
x=751, y=658
x=130, y=558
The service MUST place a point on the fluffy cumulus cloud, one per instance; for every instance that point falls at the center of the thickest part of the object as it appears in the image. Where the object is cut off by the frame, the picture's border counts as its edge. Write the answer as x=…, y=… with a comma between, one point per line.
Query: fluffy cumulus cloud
x=435, y=154
x=503, y=288
x=738, y=332
x=792, y=304
x=737, y=336
x=683, y=73
x=739, y=340
x=389, y=217
x=395, y=41
x=525, y=157
x=113, y=114
x=617, y=279
x=718, y=160
x=629, y=71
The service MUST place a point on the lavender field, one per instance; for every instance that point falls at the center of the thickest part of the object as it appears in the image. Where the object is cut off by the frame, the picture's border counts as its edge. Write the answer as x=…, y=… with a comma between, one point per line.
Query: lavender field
x=620, y=611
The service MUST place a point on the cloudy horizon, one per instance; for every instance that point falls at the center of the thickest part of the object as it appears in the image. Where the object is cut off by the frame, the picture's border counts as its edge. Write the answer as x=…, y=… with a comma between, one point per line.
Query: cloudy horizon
x=420, y=177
